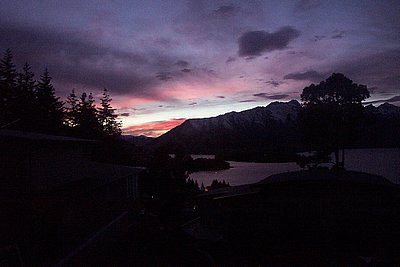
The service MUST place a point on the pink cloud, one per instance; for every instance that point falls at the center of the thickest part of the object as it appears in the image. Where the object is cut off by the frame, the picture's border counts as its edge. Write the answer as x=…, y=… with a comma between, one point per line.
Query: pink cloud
x=153, y=129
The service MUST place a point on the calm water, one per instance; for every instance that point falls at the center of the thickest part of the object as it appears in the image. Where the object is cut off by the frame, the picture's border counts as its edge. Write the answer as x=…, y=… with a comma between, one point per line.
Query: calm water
x=385, y=162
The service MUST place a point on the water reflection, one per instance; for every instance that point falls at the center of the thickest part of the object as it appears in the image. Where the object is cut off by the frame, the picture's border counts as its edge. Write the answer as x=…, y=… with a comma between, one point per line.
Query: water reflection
x=385, y=162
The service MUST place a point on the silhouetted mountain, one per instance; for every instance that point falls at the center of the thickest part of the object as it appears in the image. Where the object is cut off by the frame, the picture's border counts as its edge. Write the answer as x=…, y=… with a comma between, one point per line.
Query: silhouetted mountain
x=268, y=133
x=382, y=127
x=384, y=110
x=140, y=140
x=254, y=134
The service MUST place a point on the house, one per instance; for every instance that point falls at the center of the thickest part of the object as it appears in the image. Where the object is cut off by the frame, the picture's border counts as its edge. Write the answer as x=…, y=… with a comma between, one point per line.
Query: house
x=320, y=210
x=53, y=195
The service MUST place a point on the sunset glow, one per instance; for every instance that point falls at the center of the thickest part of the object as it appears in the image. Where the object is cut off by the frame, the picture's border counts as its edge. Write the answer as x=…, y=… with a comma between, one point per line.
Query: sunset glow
x=162, y=60
x=153, y=129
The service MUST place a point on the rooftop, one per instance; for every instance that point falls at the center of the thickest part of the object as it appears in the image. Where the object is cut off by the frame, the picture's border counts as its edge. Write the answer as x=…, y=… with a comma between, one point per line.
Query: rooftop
x=40, y=137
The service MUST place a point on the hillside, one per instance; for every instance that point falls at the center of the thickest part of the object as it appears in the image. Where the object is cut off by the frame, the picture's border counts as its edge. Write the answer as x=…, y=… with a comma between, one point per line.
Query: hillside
x=261, y=131
x=268, y=133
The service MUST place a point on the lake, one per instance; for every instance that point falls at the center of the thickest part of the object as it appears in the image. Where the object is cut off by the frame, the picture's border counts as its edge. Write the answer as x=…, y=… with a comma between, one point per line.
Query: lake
x=385, y=162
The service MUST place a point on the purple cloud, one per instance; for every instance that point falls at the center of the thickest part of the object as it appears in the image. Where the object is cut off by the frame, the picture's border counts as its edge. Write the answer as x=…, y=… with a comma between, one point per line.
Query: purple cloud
x=310, y=75
x=164, y=76
x=271, y=96
x=182, y=63
x=226, y=10
x=254, y=43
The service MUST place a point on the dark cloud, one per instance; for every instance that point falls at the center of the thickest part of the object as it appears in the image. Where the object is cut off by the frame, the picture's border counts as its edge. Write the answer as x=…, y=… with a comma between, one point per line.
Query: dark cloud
x=73, y=60
x=337, y=35
x=277, y=97
x=250, y=58
x=125, y=114
x=192, y=104
x=247, y=101
x=182, y=63
x=334, y=35
x=226, y=10
x=164, y=76
x=220, y=96
x=254, y=43
x=230, y=60
x=273, y=83
x=380, y=70
x=319, y=37
x=260, y=94
x=306, y=5
x=207, y=22
x=310, y=75
x=48, y=44
x=390, y=100
x=272, y=97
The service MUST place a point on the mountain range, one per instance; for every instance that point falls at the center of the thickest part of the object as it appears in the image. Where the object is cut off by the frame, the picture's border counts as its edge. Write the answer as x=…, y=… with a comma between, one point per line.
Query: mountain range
x=249, y=134
x=268, y=133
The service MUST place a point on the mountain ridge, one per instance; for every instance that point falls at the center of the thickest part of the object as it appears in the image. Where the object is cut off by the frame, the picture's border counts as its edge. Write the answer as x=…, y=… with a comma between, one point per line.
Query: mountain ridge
x=268, y=132
x=233, y=132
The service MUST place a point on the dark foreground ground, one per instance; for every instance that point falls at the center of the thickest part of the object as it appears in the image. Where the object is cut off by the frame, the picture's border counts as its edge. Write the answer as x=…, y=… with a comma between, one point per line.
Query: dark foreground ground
x=319, y=218
x=295, y=219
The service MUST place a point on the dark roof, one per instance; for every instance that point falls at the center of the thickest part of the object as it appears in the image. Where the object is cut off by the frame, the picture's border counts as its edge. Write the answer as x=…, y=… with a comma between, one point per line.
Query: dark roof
x=105, y=173
x=326, y=175
x=232, y=191
x=298, y=176
x=96, y=175
x=40, y=137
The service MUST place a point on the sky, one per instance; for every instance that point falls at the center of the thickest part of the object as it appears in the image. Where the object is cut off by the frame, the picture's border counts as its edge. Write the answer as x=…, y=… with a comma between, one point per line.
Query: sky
x=170, y=60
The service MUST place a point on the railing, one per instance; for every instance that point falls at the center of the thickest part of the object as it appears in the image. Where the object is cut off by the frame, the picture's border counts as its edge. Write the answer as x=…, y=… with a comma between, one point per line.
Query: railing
x=109, y=232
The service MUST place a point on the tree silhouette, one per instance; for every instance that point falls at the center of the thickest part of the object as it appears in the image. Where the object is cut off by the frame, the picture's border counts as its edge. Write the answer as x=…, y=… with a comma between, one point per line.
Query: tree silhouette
x=72, y=109
x=30, y=105
x=88, y=125
x=26, y=102
x=331, y=112
x=107, y=116
x=50, y=108
x=8, y=72
x=8, y=76
x=26, y=82
x=6, y=115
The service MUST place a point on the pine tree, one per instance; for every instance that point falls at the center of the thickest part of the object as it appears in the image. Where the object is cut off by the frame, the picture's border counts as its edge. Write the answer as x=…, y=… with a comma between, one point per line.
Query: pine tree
x=88, y=124
x=8, y=72
x=26, y=104
x=72, y=110
x=107, y=116
x=50, y=108
x=7, y=90
x=5, y=110
x=26, y=82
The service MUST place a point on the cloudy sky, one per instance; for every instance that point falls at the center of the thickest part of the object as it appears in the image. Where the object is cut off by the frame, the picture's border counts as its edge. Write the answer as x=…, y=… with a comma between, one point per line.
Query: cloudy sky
x=169, y=60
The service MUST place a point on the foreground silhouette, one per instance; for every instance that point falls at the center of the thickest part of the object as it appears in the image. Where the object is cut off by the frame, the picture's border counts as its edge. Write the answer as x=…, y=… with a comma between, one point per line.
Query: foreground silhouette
x=331, y=116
